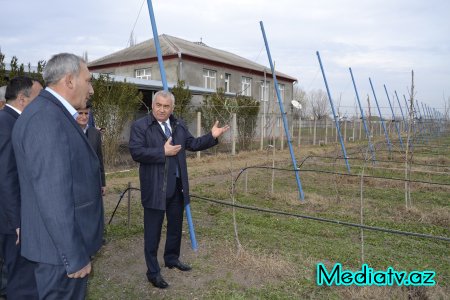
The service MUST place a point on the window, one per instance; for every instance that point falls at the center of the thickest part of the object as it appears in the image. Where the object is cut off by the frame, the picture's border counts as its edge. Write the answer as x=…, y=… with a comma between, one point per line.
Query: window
x=264, y=91
x=227, y=82
x=209, y=77
x=144, y=73
x=246, y=86
x=281, y=88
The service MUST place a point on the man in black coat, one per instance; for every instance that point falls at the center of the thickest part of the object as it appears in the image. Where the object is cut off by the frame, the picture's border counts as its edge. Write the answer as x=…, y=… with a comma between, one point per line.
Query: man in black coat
x=94, y=137
x=158, y=142
x=21, y=282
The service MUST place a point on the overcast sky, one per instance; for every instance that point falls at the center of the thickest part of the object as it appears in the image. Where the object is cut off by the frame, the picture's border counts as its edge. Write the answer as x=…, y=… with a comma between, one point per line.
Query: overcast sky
x=381, y=39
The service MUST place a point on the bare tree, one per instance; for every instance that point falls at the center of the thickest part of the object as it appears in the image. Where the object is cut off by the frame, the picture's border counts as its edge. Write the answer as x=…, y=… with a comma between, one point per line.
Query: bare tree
x=318, y=103
x=447, y=109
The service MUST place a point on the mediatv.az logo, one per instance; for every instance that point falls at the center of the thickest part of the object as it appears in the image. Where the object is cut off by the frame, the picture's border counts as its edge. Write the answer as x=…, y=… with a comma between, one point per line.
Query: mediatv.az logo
x=367, y=276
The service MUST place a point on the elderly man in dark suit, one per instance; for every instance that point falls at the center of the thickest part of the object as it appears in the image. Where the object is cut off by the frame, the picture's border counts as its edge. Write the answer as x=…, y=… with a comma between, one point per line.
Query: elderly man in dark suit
x=60, y=182
x=158, y=142
x=20, y=282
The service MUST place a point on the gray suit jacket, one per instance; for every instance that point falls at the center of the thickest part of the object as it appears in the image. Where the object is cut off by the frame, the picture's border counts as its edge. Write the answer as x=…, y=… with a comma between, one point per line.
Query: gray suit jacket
x=60, y=184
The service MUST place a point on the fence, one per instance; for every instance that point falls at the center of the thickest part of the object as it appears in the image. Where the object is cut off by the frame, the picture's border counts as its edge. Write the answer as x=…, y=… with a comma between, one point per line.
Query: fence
x=269, y=130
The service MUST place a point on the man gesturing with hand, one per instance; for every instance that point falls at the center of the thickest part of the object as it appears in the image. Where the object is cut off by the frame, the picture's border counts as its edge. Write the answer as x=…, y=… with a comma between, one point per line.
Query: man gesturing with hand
x=158, y=142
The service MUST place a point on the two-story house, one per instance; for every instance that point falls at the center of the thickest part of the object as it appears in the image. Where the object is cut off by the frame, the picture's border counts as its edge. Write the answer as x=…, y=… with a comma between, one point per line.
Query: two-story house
x=203, y=68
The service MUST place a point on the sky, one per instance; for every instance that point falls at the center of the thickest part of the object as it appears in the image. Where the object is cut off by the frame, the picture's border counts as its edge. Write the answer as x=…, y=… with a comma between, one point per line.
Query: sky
x=381, y=39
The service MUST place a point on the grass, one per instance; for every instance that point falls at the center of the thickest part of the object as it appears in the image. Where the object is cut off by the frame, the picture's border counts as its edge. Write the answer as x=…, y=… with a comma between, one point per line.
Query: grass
x=276, y=255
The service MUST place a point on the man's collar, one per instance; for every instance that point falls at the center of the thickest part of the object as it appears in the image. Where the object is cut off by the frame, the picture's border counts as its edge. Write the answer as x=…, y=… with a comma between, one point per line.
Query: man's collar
x=63, y=101
x=13, y=108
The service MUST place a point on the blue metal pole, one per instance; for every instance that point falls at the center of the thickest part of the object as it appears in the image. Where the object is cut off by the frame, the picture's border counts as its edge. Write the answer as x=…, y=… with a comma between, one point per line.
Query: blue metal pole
x=381, y=117
x=366, y=128
x=426, y=117
x=421, y=122
x=164, y=82
x=430, y=116
x=432, y=119
x=435, y=119
x=283, y=114
x=413, y=115
x=420, y=115
x=410, y=119
x=393, y=118
x=336, y=120
x=418, y=109
x=406, y=103
x=401, y=110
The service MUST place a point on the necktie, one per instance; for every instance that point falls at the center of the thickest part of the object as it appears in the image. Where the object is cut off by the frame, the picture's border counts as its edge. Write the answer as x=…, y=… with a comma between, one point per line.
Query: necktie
x=168, y=134
x=166, y=129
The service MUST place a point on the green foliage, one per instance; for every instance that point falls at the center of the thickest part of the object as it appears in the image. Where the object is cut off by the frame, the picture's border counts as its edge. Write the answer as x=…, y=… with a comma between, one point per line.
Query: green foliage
x=19, y=70
x=183, y=97
x=114, y=105
x=219, y=107
x=216, y=107
x=37, y=75
x=2, y=70
x=16, y=69
x=247, y=114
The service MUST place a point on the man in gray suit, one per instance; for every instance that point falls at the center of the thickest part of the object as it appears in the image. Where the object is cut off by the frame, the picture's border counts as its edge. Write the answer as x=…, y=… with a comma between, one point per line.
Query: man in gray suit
x=60, y=182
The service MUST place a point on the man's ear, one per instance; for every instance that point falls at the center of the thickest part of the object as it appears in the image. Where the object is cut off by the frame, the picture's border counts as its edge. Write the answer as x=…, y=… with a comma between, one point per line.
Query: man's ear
x=68, y=80
x=21, y=99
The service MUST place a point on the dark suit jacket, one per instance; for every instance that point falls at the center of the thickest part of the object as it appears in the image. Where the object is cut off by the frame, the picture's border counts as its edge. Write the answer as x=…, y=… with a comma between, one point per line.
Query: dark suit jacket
x=95, y=139
x=60, y=185
x=9, y=180
x=147, y=147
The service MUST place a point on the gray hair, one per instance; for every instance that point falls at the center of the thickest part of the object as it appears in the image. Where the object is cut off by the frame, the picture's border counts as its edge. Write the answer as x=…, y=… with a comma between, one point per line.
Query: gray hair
x=164, y=94
x=2, y=93
x=60, y=65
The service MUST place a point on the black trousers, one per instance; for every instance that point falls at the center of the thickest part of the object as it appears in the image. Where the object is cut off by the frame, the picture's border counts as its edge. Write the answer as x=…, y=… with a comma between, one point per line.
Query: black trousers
x=53, y=283
x=3, y=272
x=153, y=220
x=21, y=283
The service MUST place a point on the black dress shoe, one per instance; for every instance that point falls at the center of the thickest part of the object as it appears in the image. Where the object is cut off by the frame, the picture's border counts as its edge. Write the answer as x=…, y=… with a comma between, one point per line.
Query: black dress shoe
x=158, y=282
x=179, y=265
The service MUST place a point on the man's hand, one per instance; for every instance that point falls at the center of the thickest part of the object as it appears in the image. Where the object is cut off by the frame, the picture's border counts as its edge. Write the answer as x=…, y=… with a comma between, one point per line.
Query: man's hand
x=81, y=273
x=103, y=190
x=216, y=131
x=169, y=149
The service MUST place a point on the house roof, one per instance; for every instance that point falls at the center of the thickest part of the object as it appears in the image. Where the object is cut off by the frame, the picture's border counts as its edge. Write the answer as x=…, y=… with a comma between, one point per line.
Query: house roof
x=173, y=47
